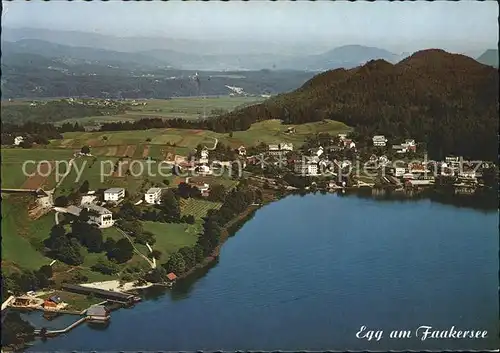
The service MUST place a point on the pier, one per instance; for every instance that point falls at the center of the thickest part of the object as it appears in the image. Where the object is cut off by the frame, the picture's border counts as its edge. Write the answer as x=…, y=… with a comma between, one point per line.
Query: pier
x=58, y=332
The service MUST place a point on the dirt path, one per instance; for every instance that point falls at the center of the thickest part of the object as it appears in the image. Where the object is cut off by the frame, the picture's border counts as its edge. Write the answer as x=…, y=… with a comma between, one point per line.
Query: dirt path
x=39, y=179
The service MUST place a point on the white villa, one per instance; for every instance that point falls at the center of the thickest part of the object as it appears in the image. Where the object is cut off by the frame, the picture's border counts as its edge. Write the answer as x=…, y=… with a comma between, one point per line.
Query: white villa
x=100, y=216
x=114, y=194
x=153, y=195
x=379, y=140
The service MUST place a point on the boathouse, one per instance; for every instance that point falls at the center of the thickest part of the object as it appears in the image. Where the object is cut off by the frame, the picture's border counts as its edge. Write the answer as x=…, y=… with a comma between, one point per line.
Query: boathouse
x=97, y=313
x=101, y=293
x=52, y=302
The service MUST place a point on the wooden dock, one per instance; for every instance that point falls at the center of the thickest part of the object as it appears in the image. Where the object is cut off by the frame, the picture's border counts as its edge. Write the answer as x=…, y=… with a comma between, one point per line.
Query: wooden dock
x=58, y=332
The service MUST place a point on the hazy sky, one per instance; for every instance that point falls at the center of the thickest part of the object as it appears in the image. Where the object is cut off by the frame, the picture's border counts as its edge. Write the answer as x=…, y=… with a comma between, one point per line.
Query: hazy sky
x=400, y=26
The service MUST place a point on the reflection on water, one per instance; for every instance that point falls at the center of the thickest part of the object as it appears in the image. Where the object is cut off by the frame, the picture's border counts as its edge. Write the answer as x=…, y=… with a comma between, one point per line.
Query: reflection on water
x=482, y=199
x=99, y=326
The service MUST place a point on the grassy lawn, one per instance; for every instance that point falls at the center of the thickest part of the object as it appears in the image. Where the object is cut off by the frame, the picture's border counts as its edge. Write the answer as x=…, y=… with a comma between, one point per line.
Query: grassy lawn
x=13, y=159
x=22, y=236
x=198, y=208
x=269, y=131
x=170, y=237
x=182, y=107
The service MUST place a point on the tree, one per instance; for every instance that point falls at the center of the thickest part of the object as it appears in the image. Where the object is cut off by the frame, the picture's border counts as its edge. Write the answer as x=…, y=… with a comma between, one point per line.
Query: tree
x=169, y=207
x=84, y=188
x=89, y=235
x=217, y=193
x=61, y=201
x=198, y=253
x=145, y=237
x=121, y=252
x=109, y=244
x=176, y=263
x=85, y=149
x=189, y=219
x=156, y=275
x=105, y=266
x=166, y=182
x=46, y=270
x=189, y=256
x=156, y=254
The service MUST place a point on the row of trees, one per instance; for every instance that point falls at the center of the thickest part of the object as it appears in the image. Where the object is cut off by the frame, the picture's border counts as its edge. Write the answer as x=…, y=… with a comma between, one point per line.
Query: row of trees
x=57, y=110
x=186, y=258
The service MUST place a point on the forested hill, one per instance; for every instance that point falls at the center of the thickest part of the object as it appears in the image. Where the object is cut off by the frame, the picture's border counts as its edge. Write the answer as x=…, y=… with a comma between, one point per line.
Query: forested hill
x=449, y=101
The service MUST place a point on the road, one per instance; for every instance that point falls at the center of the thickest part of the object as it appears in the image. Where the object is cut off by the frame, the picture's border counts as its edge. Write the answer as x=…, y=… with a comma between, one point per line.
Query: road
x=215, y=144
x=151, y=263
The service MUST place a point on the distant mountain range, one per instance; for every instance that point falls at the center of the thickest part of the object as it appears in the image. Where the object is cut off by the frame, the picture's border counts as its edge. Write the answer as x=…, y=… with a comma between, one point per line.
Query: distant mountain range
x=489, y=57
x=79, y=47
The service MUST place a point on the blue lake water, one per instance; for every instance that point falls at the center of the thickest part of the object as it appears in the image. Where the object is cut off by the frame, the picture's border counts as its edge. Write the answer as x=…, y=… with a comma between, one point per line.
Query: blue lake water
x=307, y=272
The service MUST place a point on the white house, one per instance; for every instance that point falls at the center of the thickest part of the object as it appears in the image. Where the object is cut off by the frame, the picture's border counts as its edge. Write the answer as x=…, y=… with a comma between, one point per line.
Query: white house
x=242, y=151
x=114, y=194
x=204, y=155
x=399, y=172
x=286, y=147
x=349, y=144
x=87, y=199
x=383, y=161
x=307, y=168
x=203, y=170
x=379, y=140
x=203, y=187
x=342, y=136
x=274, y=149
x=153, y=195
x=100, y=216
x=468, y=176
x=18, y=140
x=317, y=151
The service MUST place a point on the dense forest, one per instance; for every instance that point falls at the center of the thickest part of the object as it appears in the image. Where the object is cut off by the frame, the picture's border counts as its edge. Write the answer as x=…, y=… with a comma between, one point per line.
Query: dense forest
x=448, y=101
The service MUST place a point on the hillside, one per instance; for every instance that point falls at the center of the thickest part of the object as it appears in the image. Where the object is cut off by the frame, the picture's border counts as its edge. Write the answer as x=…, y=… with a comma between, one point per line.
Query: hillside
x=447, y=100
x=489, y=57
x=347, y=56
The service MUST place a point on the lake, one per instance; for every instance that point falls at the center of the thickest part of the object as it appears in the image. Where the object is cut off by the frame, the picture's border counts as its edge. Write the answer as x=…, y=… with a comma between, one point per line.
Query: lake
x=308, y=271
